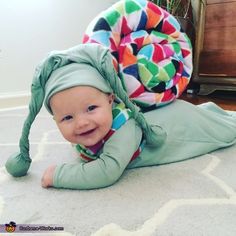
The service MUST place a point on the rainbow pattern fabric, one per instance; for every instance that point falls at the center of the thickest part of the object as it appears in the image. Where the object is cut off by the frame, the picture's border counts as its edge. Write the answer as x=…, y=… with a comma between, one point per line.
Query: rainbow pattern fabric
x=151, y=54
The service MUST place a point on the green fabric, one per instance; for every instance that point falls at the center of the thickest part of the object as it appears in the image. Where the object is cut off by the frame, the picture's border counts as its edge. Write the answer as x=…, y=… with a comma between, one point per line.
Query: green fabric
x=191, y=131
x=72, y=75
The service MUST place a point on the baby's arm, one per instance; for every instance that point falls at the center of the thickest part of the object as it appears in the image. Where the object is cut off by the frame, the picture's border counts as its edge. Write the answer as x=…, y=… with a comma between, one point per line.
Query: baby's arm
x=104, y=171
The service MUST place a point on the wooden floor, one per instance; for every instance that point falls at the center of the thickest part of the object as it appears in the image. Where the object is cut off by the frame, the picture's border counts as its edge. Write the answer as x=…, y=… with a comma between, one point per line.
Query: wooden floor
x=225, y=100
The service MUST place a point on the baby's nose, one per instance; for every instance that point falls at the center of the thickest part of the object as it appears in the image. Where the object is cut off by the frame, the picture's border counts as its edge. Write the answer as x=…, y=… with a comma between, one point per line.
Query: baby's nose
x=81, y=122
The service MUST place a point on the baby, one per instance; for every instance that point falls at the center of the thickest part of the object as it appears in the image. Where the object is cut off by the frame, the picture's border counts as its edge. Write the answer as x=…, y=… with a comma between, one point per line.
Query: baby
x=82, y=91
x=83, y=115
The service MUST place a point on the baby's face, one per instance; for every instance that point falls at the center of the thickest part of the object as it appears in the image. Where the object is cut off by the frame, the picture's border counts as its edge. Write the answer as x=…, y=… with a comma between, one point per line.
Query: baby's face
x=83, y=114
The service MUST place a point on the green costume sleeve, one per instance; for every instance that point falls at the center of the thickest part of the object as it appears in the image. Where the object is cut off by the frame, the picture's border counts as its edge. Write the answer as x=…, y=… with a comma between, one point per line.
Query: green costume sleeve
x=105, y=170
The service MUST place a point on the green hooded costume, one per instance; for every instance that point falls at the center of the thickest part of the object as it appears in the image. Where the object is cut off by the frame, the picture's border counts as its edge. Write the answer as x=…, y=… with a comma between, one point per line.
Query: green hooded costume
x=168, y=134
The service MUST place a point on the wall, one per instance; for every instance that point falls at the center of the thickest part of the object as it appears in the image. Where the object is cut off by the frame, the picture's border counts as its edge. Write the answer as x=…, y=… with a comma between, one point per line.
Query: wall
x=29, y=29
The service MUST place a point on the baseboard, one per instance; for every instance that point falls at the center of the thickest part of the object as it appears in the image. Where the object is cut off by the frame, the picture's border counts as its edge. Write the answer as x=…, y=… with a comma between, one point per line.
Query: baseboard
x=9, y=100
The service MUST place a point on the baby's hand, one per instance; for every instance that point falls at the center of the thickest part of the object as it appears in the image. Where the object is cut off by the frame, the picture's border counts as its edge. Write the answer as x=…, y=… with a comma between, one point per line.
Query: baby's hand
x=47, y=179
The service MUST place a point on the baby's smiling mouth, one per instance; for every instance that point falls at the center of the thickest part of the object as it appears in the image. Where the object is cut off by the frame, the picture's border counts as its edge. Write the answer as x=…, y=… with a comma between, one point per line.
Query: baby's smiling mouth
x=87, y=132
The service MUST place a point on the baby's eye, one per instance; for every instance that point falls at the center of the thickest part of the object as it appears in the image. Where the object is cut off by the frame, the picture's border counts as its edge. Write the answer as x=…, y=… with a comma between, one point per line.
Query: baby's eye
x=66, y=118
x=91, y=108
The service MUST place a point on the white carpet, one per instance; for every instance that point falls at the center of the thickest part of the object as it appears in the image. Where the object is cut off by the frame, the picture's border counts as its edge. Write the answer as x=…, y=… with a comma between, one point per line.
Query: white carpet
x=194, y=197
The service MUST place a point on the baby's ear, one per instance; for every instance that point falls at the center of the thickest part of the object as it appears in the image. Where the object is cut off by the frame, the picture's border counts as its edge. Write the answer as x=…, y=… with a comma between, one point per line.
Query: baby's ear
x=111, y=98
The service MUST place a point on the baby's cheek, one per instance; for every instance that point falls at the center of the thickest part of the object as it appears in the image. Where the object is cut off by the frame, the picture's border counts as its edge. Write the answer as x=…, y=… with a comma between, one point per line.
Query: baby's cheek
x=64, y=132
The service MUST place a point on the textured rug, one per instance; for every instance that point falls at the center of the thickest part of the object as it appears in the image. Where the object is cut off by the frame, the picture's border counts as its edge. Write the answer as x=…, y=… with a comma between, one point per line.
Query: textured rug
x=194, y=197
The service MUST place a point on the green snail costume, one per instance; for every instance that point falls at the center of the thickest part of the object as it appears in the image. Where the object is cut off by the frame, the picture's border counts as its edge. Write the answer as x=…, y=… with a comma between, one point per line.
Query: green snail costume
x=168, y=134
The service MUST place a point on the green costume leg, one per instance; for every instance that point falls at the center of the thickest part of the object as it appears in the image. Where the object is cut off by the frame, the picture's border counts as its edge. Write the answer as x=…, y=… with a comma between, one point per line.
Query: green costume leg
x=191, y=131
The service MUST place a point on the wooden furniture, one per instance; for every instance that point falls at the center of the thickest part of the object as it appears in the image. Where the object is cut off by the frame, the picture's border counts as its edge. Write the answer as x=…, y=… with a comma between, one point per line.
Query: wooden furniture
x=215, y=51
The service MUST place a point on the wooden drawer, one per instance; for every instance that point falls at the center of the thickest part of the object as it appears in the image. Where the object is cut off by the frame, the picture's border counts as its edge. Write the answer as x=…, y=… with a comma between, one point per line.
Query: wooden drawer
x=216, y=55
x=220, y=26
x=220, y=63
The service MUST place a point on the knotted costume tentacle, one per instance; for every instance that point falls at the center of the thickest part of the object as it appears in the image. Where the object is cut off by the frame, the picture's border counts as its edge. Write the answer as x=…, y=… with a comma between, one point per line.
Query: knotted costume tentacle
x=151, y=54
